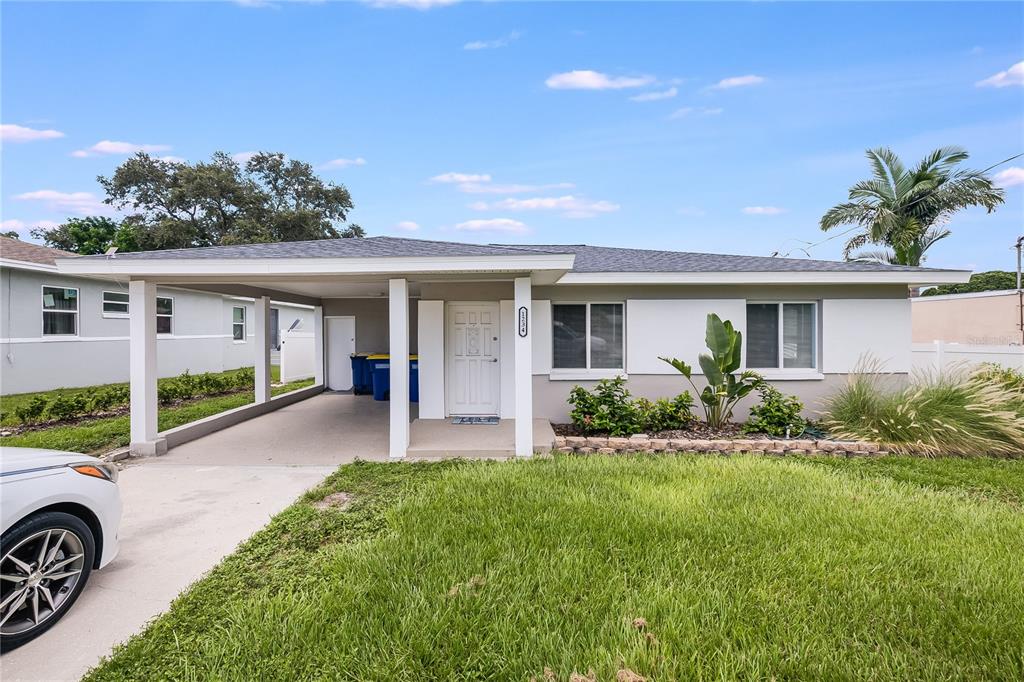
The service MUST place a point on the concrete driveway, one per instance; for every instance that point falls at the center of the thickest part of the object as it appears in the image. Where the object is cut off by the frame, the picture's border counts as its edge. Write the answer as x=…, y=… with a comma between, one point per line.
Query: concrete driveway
x=181, y=516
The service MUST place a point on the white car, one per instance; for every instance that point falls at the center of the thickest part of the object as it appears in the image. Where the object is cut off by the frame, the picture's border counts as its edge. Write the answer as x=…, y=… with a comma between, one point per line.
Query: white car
x=59, y=515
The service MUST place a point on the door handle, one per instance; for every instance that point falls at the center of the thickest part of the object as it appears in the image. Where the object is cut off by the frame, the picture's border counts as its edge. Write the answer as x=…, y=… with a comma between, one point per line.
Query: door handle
x=494, y=359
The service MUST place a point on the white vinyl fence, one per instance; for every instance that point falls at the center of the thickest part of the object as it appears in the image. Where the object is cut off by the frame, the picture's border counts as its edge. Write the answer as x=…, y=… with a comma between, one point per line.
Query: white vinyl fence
x=296, y=355
x=940, y=355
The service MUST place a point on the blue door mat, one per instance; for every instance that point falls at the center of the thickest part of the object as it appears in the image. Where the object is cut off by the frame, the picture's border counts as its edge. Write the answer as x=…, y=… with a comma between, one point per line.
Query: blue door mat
x=493, y=421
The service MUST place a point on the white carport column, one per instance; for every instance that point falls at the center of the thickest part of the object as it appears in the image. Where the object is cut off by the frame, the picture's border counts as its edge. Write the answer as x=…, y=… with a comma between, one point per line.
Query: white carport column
x=398, y=325
x=318, y=345
x=262, y=354
x=142, y=369
x=524, y=367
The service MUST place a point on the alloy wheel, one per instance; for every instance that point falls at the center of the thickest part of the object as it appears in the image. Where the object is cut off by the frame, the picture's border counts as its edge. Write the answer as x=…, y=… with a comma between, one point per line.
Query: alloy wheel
x=37, y=576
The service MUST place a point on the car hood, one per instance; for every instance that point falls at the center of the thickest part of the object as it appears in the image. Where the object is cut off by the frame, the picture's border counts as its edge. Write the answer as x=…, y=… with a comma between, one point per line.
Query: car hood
x=19, y=459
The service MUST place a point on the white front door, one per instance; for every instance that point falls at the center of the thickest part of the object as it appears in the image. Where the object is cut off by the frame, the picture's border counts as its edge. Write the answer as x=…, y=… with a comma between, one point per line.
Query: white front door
x=341, y=343
x=473, y=367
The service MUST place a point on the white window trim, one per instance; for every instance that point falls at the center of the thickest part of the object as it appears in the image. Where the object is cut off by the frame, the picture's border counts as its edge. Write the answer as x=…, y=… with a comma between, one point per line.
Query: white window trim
x=103, y=302
x=171, y=316
x=244, y=323
x=75, y=312
x=588, y=372
x=781, y=373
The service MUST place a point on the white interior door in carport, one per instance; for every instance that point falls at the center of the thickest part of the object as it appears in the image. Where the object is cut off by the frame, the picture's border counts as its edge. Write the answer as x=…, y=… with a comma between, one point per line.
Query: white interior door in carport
x=341, y=343
x=473, y=367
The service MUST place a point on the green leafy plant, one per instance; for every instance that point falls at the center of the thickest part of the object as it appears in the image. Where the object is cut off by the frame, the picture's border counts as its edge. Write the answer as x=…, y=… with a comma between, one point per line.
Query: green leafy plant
x=777, y=414
x=607, y=409
x=32, y=411
x=725, y=388
x=245, y=377
x=67, y=406
x=108, y=398
x=666, y=414
x=953, y=413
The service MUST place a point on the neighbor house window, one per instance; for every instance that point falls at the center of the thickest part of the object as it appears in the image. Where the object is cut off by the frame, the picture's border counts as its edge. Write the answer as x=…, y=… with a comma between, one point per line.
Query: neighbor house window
x=238, y=323
x=115, y=304
x=275, y=329
x=164, y=315
x=782, y=335
x=60, y=311
x=587, y=335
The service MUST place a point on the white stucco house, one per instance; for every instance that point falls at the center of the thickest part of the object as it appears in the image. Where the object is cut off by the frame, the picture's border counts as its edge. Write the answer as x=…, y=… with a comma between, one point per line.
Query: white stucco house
x=59, y=330
x=507, y=330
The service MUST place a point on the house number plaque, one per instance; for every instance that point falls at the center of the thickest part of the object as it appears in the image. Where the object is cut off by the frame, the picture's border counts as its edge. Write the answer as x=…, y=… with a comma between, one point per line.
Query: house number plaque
x=524, y=322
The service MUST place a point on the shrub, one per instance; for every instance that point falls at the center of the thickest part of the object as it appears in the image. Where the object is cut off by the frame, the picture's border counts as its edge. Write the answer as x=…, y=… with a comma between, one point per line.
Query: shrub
x=956, y=413
x=607, y=409
x=245, y=377
x=168, y=391
x=666, y=414
x=67, y=406
x=776, y=415
x=108, y=398
x=32, y=411
x=725, y=388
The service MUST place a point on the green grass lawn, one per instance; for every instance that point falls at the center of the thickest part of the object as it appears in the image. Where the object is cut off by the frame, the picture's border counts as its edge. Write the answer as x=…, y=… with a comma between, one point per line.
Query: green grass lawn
x=96, y=436
x=742, y=567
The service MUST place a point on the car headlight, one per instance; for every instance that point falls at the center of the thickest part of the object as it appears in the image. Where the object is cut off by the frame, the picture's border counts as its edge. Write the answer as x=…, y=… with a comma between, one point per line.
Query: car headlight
x=104, y=470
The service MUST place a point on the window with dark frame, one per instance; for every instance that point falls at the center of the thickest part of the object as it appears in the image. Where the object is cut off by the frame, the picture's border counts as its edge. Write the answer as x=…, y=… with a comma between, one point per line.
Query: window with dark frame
x=587, y=336
x=164, y=315
x=115, y=304
x=60, y=311
x=238, y=323
x=781, y=335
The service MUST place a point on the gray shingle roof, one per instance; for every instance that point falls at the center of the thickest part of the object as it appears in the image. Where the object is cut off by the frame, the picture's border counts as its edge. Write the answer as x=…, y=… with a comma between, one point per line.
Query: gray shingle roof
x=588, y=258
x=27, y=252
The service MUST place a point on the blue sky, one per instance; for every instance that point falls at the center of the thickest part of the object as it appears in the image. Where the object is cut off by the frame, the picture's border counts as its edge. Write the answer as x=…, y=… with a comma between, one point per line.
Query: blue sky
x=722, y=128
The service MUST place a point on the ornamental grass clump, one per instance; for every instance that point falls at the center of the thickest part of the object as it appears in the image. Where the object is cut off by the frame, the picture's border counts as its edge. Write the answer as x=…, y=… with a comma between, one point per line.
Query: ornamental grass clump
x=959, y=412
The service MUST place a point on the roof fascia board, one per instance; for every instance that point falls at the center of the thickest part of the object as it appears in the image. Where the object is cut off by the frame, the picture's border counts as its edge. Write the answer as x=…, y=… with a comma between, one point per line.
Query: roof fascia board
x=826, y=277
x=26, y=265
x=312, y=266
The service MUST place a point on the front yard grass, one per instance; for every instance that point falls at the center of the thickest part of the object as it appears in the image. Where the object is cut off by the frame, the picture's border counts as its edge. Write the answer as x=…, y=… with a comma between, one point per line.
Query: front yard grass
x=96, y=436
x=740, y=567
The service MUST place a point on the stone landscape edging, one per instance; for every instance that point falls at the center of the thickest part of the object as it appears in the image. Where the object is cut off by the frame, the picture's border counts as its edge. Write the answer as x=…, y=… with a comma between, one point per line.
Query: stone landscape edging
x=641, y=443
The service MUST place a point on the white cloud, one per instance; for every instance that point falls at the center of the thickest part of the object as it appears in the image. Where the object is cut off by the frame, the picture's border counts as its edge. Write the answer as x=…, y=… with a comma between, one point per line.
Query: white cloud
x=595, y=80
x=451, y=178
x=82, y=203
x=414, y=4
x=343, y=163
x=569, y=205
x=10, y=132
x=763, y=210
x=655, y=96
x=24, y=229
x=12, y=224
x=243, y=157
x=170, y=158
x=695, y=111
x=105, y=147
x=737, y=82
x=407, y=226
x=1012, y=76
x=1013, y=175
x=493, y=225
x=504, y=41
x=487, y=188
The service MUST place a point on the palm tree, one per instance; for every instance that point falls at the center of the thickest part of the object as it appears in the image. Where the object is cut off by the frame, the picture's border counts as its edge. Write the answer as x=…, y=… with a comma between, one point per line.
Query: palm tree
x=903, y=212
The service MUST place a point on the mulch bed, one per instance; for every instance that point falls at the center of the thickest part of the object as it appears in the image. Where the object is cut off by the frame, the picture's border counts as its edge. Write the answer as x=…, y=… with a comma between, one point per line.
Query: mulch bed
x=698, y=431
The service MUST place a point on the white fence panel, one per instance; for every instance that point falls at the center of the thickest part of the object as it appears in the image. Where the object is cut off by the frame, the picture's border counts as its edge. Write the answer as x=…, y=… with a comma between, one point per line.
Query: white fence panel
x=296, y=356
x=940, y=355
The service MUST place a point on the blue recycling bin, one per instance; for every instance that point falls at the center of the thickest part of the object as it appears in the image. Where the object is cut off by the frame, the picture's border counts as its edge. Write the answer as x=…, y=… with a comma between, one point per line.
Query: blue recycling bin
x=362, y=381
x=414, y=381
x=381, y=379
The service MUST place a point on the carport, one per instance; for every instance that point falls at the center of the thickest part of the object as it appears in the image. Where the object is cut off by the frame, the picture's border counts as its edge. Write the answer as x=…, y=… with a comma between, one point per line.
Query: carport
x=470, y=362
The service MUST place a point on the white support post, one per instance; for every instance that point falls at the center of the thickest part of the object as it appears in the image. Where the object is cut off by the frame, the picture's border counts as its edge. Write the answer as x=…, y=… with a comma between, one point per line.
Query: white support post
x=398, y=325
x=318, y=345
x=524, y=367
x=262, y=350
x=142, y=369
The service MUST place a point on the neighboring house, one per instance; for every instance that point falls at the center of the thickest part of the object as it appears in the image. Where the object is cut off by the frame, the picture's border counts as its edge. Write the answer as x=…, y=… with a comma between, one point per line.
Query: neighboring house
x=58, y=330
x=508, y=330
x=982, y=318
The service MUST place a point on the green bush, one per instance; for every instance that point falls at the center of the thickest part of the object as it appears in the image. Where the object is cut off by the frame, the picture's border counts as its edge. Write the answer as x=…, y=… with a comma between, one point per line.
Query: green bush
x=108, y=398
x=67, y=406
x=776, y=415
x=32, y=411
x=955, y=413
x=607, y=409
x=666, y=414
x=244, y=377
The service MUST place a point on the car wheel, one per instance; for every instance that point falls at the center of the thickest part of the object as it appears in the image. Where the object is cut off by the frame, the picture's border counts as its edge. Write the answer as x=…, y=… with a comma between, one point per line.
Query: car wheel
x=45, y=561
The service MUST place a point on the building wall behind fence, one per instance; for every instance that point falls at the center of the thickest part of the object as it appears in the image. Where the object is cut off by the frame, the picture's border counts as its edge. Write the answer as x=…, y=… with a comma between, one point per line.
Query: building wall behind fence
x=987, y=318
